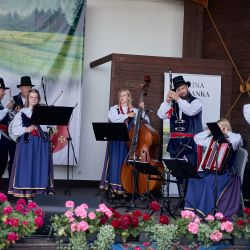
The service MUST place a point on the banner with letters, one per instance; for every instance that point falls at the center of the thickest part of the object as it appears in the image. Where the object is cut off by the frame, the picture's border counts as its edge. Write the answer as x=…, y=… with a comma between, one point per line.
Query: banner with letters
x=45, y=40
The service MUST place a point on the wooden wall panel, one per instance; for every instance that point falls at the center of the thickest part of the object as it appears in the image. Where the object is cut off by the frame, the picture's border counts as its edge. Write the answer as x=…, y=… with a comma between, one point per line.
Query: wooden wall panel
x=233, y=21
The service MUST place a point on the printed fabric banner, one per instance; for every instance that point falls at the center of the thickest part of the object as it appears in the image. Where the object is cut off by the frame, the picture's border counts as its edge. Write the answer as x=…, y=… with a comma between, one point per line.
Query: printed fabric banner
x=45, y=40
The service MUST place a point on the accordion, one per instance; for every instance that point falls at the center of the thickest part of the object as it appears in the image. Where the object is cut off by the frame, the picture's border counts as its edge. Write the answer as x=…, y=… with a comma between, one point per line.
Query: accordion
x=217, y=156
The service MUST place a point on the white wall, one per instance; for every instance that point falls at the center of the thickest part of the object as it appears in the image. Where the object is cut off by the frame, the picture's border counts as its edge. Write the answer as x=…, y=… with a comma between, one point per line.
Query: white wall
x=141, y=27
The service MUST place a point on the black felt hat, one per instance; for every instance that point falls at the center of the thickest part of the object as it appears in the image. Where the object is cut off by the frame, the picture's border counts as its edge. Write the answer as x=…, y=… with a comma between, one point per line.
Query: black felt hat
x=25, y=81
x=2, y=85
x=178, y=81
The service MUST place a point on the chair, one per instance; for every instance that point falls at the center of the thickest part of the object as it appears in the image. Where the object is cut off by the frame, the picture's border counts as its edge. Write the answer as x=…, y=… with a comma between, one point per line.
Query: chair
x=239, y=165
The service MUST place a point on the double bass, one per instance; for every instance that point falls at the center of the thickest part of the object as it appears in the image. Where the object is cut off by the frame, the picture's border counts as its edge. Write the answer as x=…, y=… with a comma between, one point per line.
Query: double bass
x=144, y=140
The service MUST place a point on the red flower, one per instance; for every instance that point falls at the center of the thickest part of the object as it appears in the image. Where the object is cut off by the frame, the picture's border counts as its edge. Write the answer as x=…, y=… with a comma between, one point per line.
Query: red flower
x=3, y=197
x=240, y=222
x=164, y=219
x=248, y=220
x=116, y=214
x=154, y=205
x=134, y=222
x=21, y=201
x=19, y=208
x=31, y=205
x=137, y=213
x=39, y=212
x=39, y=221
x=12, y=236
x=7, y=210
x=115, y=224
x=146, y=217
x=13, y=222
x=25, y=223
x=104, y=219
x=247, y=211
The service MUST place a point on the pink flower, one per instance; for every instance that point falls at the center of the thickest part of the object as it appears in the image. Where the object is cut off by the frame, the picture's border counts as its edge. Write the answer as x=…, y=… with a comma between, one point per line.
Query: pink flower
x=81, y=212
x=137, y=248
x=7, y=210
x=103, y=209
x=3, y=197
x=188, y=214
x=82, y=226
x=219, y=216
x=73, y=227
x=84, y=205
x=216, y=236
x=210, y=218
x=69, y=215
x=31, y=205
x=69, y=204
x=197, y=220
x=193, y=227
x=92, y=215
x=227, y=226
x=12, y=236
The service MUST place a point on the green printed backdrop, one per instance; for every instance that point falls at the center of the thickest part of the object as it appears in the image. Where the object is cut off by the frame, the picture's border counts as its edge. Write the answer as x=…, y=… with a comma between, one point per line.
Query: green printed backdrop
x=45, y=39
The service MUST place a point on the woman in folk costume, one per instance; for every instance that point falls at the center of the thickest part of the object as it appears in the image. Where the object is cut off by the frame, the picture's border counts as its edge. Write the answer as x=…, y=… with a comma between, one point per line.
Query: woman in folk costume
x=201, y=194
x=117, y=150
x=32, y=170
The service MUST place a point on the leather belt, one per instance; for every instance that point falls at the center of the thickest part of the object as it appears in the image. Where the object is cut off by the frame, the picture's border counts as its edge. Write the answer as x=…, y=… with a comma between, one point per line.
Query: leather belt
x=179, y=134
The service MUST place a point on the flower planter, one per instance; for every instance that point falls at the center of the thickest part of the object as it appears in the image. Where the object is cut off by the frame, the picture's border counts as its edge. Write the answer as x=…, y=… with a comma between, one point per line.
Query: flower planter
x=241, y=242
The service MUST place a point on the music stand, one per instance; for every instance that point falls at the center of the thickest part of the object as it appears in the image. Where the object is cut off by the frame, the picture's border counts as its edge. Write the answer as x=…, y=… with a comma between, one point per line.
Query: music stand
x=147, y=169
x=179, y=168
x=53, y=115
x=219, y=137
x=106, y=131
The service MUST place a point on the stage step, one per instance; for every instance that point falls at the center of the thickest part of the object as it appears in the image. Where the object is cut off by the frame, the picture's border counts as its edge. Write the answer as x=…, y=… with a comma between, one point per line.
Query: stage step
x=35, y=242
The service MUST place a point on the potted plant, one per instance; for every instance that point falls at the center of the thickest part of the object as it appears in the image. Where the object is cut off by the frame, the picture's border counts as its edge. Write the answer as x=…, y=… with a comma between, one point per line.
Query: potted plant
x=18, y=221
x=83, y=228
x=242, y=228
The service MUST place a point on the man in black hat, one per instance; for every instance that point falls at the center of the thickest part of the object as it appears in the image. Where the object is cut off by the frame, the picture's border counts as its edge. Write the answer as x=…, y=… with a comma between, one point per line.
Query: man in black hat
x=25, y=86
x=4, y=122
x=185, y=114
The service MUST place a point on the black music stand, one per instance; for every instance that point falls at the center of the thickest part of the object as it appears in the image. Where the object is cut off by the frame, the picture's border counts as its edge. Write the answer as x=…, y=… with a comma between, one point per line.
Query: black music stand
x=106, y=131
x=219, y=137
x=147, y=169
x=53, y=115
x=179, y=168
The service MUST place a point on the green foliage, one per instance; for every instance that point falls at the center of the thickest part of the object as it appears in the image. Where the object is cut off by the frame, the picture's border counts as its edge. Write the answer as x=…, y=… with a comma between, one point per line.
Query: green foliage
x=163, y=235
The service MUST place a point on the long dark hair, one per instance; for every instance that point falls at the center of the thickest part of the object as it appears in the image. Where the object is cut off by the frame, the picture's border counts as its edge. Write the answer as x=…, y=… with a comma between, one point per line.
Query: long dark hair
x=32, y=91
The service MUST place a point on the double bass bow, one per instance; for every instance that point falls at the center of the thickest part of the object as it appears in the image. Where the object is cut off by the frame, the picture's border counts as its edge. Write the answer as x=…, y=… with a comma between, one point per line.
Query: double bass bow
x=144, y=140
